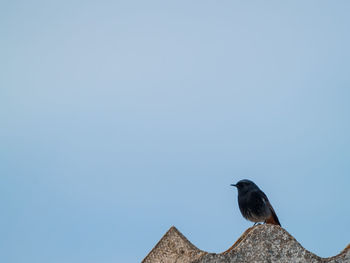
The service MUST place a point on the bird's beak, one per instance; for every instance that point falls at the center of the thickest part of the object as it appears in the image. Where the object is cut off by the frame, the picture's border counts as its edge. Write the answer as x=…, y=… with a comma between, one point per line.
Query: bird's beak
x=234, y=185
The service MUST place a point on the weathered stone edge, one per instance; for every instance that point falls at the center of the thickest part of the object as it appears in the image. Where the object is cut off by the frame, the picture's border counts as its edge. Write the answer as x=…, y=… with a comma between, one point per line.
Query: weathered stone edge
x=244, y=236
x=249, y=233
x=173, y=229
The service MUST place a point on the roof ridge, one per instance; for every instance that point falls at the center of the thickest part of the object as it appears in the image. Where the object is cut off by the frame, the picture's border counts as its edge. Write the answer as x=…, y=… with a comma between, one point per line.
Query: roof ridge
x=175, y=247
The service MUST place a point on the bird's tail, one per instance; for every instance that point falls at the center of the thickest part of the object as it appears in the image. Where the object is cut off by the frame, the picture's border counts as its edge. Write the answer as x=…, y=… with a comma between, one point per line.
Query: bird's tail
x=273, y=219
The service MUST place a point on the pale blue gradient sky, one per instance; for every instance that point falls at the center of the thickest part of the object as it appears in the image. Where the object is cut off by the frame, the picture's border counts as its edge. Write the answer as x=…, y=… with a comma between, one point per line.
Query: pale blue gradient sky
x=120, y=119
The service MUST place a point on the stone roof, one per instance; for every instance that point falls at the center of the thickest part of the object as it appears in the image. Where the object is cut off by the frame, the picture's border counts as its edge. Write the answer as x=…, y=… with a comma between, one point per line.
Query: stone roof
x=262, y=243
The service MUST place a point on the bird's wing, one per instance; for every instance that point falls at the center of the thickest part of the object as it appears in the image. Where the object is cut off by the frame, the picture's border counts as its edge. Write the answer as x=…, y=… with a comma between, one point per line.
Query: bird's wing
x=273, y=219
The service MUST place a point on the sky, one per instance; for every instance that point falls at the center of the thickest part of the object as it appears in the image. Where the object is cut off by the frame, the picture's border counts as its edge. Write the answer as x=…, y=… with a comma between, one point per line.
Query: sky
x=120, y=119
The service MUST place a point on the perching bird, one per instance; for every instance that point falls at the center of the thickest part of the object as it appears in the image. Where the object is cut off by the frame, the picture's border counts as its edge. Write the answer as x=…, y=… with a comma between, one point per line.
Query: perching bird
x=254, y=204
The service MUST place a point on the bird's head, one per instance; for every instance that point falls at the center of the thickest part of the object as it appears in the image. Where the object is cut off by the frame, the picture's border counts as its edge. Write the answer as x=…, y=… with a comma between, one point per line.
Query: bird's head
x=244, y=185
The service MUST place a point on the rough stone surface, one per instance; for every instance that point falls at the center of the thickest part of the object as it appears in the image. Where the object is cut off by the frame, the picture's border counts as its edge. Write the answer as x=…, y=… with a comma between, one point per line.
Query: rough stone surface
x=262, y=243
x=173, y=247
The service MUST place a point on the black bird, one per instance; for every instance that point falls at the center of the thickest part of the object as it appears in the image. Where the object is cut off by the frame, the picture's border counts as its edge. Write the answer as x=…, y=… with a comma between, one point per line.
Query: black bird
x=254, y=204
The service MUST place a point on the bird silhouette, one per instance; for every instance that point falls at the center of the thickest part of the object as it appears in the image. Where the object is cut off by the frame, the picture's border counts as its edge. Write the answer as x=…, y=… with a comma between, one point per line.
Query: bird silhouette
x=254, y=204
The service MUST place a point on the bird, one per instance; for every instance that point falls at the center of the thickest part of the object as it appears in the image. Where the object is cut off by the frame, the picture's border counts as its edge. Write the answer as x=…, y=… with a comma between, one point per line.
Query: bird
x=254, y=204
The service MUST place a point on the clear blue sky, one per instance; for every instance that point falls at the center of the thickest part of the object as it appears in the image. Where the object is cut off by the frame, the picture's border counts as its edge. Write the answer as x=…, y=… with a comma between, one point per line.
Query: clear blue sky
x=121, y=119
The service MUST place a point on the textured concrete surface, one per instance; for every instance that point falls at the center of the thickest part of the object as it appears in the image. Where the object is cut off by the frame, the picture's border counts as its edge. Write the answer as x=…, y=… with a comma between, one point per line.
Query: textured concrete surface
x=262, y=243
x=173, y=247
